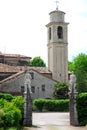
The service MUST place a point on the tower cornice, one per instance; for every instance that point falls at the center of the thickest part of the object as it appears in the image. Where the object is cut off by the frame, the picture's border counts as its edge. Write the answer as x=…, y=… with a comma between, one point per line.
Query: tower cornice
x=56, y=11
x=56, y=23
x=56, y=43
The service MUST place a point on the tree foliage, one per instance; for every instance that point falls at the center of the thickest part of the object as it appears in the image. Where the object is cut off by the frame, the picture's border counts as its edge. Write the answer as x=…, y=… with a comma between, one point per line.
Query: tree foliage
x=80, y=70
x=37, y=61
x=61, y=90
x=70, y=66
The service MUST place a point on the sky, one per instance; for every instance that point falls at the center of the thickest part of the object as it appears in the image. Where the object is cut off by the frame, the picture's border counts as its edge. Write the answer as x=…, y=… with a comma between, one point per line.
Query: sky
x=23, y=26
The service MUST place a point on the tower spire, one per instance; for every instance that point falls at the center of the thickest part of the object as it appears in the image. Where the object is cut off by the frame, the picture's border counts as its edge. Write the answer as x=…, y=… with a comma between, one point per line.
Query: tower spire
x=56, y=4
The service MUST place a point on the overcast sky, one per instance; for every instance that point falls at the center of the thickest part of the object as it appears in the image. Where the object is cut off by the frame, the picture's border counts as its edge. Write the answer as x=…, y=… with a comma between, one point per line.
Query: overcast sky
x=23, y=30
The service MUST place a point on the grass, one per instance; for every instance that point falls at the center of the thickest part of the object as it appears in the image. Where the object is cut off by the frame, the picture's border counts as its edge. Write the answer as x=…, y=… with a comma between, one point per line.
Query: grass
x=12, y=128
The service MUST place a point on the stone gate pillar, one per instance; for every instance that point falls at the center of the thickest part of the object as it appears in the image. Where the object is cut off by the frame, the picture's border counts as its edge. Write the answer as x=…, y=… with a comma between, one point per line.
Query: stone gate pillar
x=72, y=103
x=27, y=101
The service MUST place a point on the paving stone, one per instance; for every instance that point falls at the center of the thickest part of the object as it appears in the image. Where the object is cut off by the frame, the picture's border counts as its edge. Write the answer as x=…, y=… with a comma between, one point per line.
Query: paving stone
x=52, y=121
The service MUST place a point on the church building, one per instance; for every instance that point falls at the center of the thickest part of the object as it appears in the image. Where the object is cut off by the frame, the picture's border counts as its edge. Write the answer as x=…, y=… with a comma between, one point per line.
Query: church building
x=43, y=78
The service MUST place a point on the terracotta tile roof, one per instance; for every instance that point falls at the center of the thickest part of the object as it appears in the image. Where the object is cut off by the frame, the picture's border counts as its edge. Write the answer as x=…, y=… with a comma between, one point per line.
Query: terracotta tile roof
x=41, y=69
x=38, y=69
x=7, y=68
x=11, y=77
x=19, y=73
x=14, y=55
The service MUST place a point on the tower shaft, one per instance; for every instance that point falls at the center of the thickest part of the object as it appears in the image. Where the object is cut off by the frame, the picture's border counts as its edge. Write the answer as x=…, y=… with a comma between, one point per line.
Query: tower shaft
x=58, y=46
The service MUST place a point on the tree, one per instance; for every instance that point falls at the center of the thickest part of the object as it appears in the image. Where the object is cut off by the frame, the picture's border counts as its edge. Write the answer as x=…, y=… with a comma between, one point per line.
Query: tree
x=70, y=66
x=80, y=70
x=37, y=61
x=61, y=90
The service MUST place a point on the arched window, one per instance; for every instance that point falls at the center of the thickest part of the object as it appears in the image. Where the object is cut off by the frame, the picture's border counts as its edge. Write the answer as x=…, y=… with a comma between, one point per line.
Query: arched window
x=50, y=33
x=60, y=32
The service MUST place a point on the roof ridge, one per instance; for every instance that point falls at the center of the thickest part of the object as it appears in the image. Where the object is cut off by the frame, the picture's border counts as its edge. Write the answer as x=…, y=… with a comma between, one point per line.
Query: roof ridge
x=12, y=76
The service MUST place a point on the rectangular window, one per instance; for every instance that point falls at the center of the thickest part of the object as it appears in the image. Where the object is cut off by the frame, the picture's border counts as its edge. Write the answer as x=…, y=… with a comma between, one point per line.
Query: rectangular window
x=22, y=89
x=43, y=87
x=33, y=89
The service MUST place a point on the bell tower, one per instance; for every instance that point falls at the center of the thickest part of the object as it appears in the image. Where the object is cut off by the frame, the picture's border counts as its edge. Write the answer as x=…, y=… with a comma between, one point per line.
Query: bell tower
x=58, y=46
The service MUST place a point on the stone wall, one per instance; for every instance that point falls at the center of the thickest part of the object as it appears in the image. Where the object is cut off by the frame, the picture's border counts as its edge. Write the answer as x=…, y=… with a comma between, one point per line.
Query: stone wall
x=40, y=82
x=42, y=85
x=13, y=85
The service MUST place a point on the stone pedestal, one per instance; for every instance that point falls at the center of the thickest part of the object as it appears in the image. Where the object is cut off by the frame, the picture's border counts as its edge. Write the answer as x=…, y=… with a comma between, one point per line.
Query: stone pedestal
x=73, y=111
x=72, y=103
x=27, y=109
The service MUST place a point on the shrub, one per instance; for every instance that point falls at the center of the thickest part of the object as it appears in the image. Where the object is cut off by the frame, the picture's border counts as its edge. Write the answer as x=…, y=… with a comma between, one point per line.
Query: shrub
x=61, y=90
x=57, y=105
x=1, y=118
x=3, y=103
x=39, y=103
x=12, y=115
x=11, y=112
x=8, y=97
x=18, y=101
x=34, y=108
x=51, y=105
x=82, y=108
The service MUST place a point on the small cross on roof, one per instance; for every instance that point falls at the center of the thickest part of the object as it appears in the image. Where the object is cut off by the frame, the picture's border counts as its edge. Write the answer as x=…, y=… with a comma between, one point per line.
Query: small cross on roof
x=56, y=4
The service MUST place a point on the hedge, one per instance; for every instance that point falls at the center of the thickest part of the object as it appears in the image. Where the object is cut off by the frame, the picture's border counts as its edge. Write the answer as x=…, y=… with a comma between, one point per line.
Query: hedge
x=82, y=108
x=51, y=105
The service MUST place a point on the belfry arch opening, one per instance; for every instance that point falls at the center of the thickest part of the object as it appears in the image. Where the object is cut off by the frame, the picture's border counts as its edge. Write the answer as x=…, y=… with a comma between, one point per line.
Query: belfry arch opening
x=50, y=33
x=60, y=32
